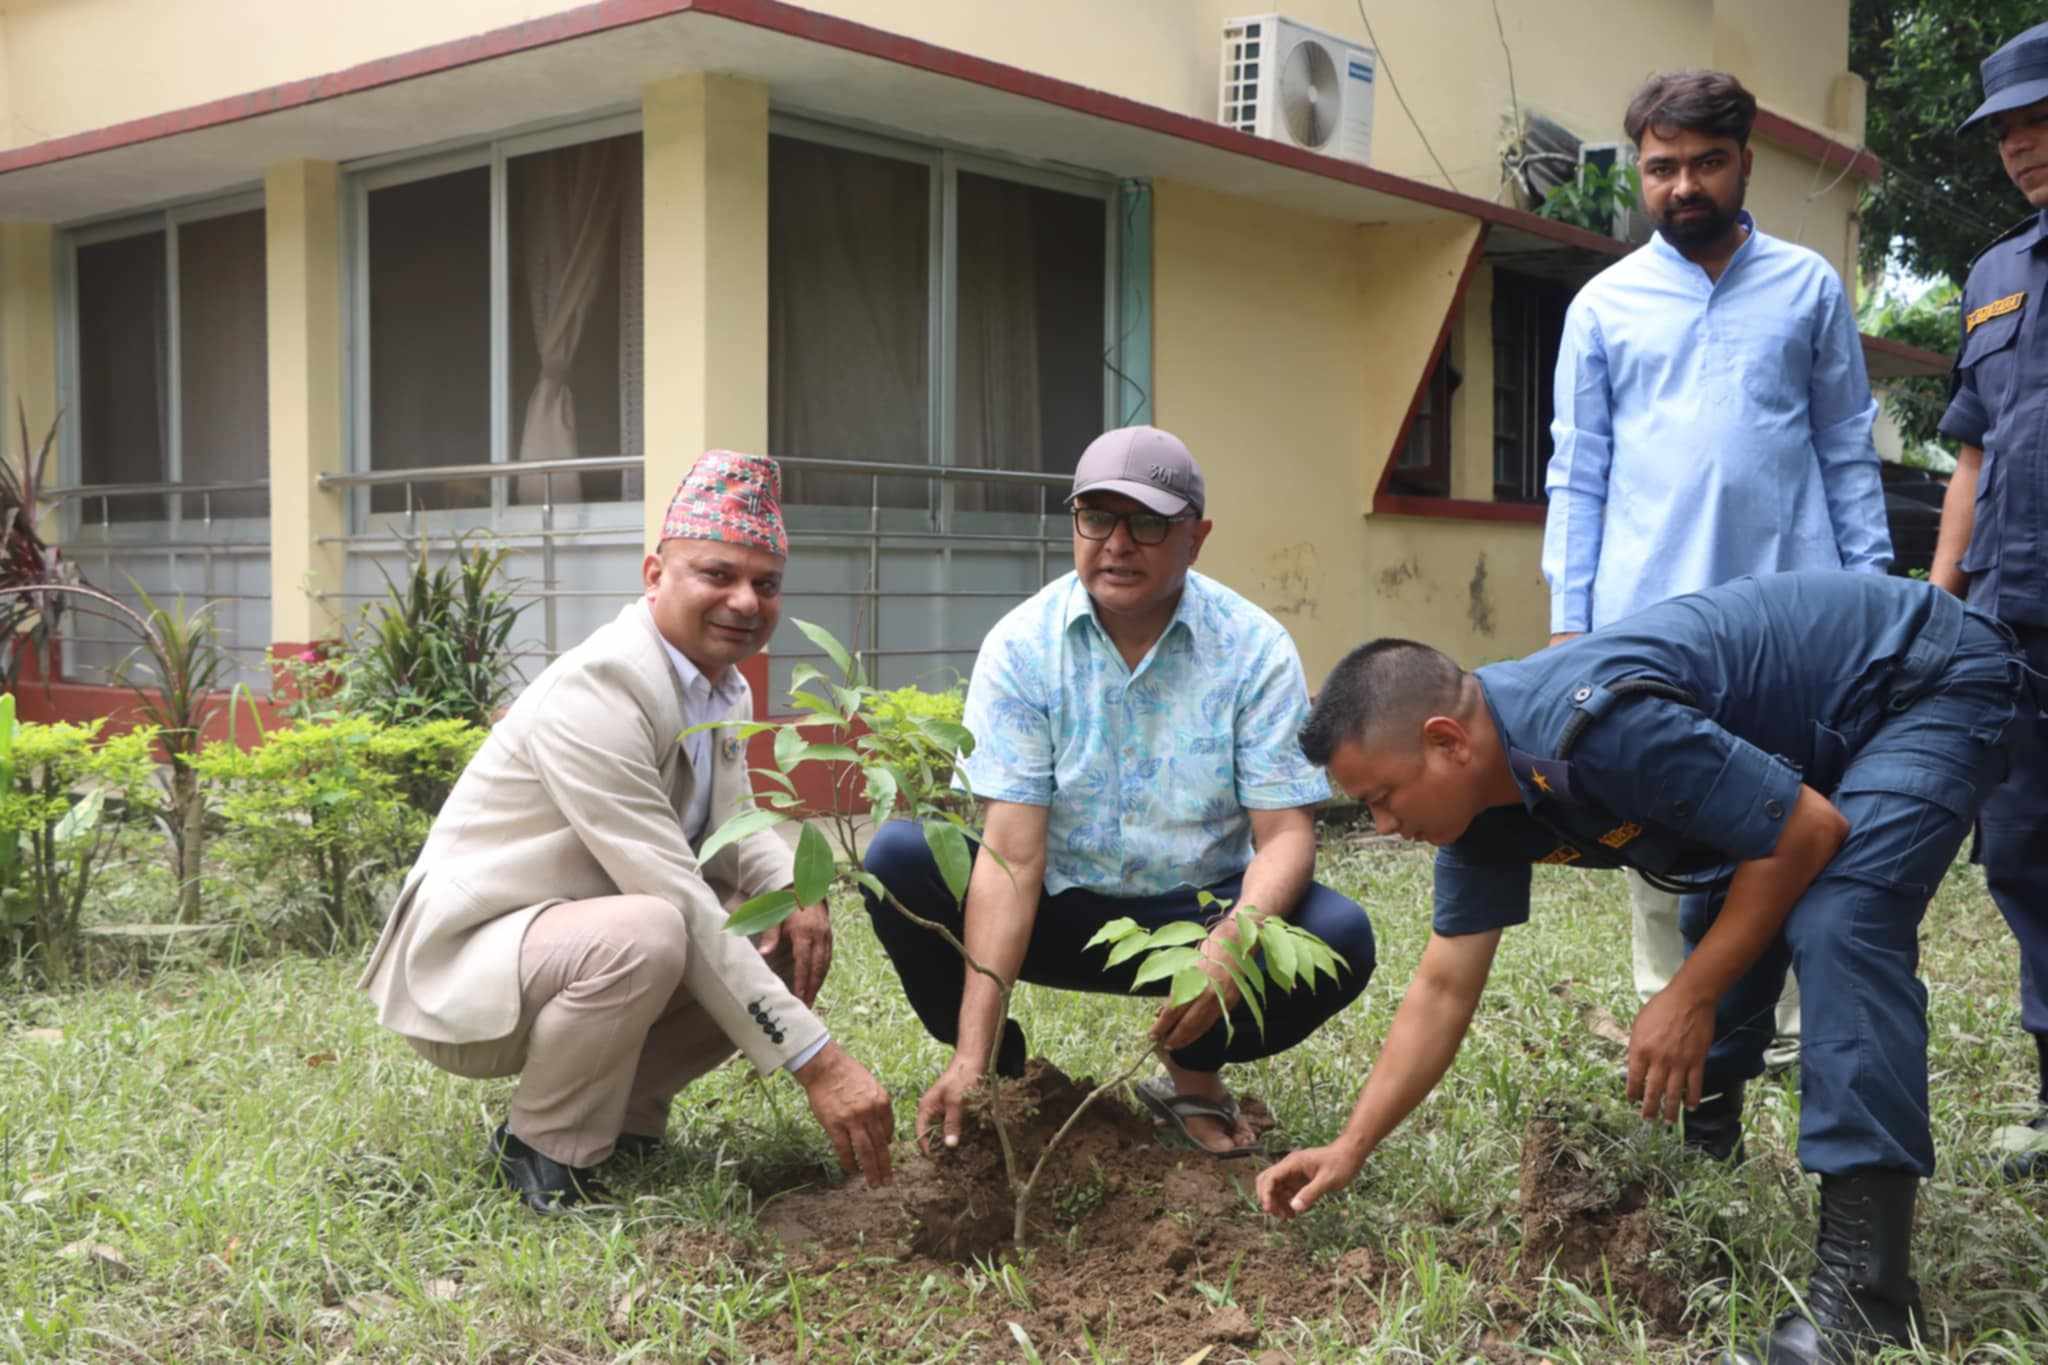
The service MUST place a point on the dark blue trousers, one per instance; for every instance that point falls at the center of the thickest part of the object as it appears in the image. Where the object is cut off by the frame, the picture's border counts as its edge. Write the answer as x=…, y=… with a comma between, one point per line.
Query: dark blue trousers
x=934, y=977
x=2012, y=844
x=1910, y=793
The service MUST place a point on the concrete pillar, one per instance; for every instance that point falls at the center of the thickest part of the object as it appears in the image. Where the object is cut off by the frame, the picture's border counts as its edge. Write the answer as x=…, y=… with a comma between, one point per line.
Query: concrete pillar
x=705, y=141
x=28, y=348
x=302, y=209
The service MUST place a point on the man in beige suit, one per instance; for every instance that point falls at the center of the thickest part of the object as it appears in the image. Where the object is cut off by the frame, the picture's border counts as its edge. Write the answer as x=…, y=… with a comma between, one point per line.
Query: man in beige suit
x=558, y=925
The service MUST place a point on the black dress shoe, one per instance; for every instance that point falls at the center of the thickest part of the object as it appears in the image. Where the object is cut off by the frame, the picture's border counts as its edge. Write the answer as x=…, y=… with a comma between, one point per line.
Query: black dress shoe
x=544, y=1184
x=637, y=1147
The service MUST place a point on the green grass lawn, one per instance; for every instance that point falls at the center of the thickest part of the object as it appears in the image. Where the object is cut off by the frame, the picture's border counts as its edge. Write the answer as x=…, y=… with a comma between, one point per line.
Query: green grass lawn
x=236, y=1163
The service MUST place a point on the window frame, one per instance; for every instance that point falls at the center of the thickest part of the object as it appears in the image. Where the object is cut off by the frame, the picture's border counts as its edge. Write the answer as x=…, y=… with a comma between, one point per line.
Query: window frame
x=944, y=163
x=376, y=173
x=167, y=219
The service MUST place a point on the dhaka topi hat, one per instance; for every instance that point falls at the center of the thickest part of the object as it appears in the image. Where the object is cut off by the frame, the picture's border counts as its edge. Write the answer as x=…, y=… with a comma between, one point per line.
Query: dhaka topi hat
x=2015, y=76
x=729, y=497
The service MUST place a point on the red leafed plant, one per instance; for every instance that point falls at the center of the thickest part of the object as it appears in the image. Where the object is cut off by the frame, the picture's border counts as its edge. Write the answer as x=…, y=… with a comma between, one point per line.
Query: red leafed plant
x=28, y=620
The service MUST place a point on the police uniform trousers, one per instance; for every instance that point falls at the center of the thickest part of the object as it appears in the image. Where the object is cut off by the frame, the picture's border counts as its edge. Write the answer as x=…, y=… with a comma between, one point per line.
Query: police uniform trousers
x=1910, y=793
x=2012, y=844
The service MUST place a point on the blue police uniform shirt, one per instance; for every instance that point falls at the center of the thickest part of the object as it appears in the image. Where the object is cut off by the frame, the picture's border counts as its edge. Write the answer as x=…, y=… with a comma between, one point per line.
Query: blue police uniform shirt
x=1792, y=673
x=1999, y=403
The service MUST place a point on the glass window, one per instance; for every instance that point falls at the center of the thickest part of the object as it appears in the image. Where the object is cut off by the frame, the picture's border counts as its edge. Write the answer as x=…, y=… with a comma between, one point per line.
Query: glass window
x=124, y=369
x=849, y=289
x=1528, y=326
x=1424, y=466
x=430, y=333
x=859, y=267
x=144, y=329
x=224, y=361
x=1029, y=364
x=572, y=314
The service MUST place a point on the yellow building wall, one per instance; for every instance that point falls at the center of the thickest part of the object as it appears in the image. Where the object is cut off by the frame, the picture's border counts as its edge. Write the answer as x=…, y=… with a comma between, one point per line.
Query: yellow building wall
x=1788, y=54
x=1292, y=423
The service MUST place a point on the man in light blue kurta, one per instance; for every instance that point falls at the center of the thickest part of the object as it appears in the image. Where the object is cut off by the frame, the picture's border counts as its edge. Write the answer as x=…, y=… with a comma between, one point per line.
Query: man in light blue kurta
x=1713, y=416
x=1135, y=731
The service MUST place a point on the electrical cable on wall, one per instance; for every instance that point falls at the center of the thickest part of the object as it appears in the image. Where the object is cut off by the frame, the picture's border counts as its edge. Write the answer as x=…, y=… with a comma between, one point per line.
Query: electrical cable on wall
x=1387, y=69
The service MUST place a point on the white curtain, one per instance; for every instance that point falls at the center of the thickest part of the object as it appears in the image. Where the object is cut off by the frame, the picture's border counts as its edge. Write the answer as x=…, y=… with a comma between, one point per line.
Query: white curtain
x=569, y=220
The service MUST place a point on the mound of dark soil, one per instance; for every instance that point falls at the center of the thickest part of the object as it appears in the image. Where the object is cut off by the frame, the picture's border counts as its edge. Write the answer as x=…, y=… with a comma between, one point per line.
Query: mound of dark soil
x=1588, y=1219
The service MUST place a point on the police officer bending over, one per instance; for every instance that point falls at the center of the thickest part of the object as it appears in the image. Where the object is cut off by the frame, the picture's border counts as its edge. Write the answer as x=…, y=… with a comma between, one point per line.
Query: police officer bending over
x=1810, y=749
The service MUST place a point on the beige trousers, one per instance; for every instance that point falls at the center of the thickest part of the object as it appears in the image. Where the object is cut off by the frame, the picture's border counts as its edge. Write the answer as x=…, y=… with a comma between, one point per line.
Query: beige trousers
x=606, y=1036
x=1660, y=948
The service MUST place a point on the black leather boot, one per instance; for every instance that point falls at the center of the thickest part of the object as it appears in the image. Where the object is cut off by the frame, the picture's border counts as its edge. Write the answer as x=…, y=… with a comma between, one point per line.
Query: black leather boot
x=1714, y=1130
x=1861, y=1296
x=2032, y=1165
x=544, y=1184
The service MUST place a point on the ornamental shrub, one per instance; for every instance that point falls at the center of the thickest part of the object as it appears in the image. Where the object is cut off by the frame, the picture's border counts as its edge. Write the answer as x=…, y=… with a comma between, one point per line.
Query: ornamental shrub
x=320, y=815
x=62, y=792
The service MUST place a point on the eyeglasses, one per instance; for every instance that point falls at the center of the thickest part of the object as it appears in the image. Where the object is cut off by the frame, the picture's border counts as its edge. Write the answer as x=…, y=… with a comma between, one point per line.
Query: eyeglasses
x=1147, y=528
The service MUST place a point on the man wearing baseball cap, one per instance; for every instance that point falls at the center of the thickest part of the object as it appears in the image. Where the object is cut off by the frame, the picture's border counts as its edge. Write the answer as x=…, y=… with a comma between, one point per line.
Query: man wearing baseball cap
x=1993, y=546
x=1134, y=727
x=558, y=925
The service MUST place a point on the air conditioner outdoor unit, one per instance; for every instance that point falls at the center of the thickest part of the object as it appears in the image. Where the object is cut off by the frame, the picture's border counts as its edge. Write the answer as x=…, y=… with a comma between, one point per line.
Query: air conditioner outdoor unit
x=1289, y=82
x=1630, y=224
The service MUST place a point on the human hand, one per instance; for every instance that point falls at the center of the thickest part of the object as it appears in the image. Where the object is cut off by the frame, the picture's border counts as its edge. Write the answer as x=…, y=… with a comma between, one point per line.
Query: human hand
x=1294, y=1183
x=853, y=1109
x=1667, y=1052
x=939, y=1110
x=1179, y=1026
x=808, y=933
x=1564, y=635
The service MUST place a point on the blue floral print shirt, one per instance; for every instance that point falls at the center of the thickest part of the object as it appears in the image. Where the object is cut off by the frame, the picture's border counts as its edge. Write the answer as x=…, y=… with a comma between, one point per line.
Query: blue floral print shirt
x=1148, y=774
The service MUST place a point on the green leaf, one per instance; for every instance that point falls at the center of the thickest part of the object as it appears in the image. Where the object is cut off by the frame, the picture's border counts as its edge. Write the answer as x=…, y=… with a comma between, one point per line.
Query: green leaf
x=803, y=673
x=814, y=865
x=764, y=911
x=1188, y=983
x=1279, y=946
x=1179, y=932
x=81, y=818
x=1126, y=949
x=825, y=641
x=1164, y=963
x=818, y=707
x=777, y=776
x=790, y=747
x=830, y=753
x=950, y=851
x=1116, y=931
x=951, y=736
x=882, y=791
x=868, y=881
x=1251, y=994
x=750, y=821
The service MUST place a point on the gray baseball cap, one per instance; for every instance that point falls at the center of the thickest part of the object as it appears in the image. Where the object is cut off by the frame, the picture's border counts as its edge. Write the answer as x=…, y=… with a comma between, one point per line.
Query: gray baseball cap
x=1144, y=463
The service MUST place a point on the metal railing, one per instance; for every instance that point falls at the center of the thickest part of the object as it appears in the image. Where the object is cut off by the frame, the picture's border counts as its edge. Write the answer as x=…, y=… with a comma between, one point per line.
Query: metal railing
x=87, y=540
x=407, y=529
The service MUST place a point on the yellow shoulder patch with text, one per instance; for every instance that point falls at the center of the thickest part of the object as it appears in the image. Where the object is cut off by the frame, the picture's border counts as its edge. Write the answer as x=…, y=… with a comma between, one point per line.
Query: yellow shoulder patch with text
x=1563, y=853
x=1621, y=835
x=1997, y=308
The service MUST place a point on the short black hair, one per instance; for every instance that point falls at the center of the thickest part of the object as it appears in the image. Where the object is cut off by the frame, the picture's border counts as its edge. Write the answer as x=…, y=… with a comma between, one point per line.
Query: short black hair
x=1376, y=688
x=1710, y=102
